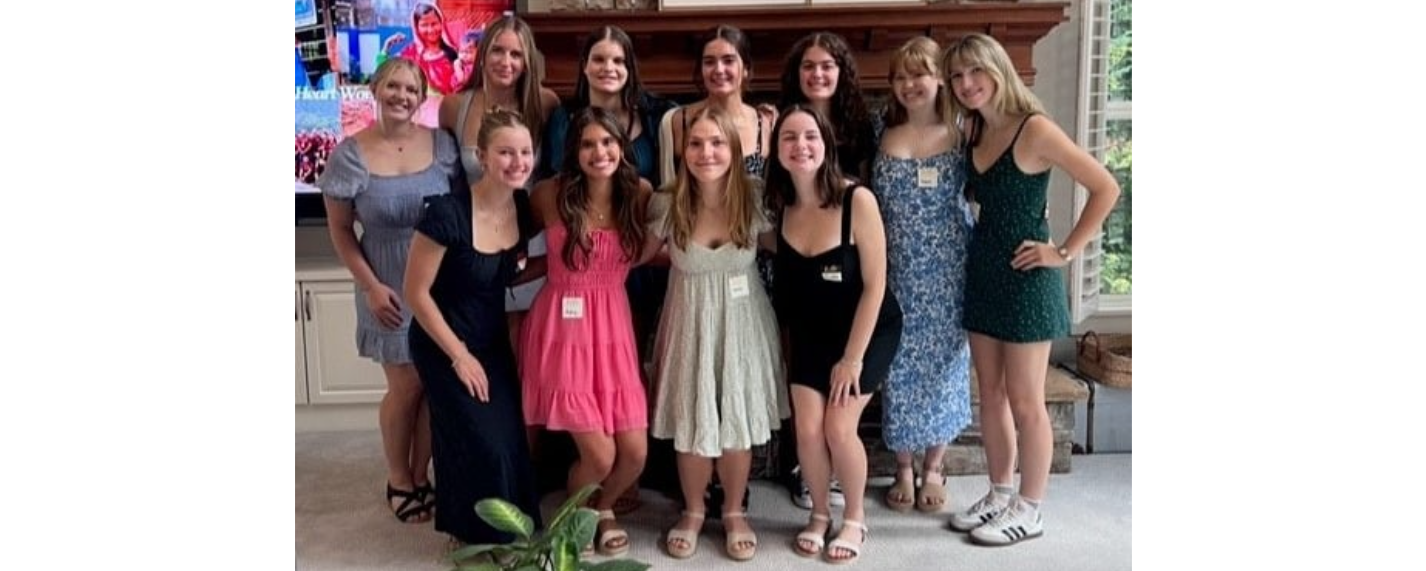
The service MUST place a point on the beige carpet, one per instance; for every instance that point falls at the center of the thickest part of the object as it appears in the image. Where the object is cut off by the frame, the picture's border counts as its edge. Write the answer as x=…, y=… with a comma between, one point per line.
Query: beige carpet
x=342, y=522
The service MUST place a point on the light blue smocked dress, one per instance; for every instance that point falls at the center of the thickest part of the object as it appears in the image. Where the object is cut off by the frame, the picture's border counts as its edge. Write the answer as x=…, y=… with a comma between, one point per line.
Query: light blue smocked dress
x=926, y=397
x=388, y=208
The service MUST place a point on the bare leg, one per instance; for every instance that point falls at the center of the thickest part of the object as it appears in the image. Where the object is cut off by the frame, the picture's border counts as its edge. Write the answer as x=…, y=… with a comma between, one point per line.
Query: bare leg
x=421, y=447
x=398, y=414
x=997, y=425
x=632, y=449
x=595, y=461
x=694, y=473
x=808, y=416
x=850, y=463
x=1025, y=365
x=733, y=469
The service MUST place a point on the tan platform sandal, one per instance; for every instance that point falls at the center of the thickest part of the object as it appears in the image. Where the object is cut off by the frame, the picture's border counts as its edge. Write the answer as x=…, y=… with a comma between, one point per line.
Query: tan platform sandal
x=689, y=537
x=730, y=545
x=932, y=498
x=902, y=494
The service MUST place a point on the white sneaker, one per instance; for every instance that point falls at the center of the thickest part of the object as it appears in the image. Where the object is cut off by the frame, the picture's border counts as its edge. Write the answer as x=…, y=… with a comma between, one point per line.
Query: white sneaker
x=802, y=496
x=980, y=512
x=1016, y=523
x=835, y=496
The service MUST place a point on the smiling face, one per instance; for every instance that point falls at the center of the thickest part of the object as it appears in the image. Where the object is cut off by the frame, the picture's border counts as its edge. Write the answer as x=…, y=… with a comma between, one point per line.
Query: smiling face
x=972, y=85
x=800, y=146
x=399, y=94
x=723, y=68
x=915, y=88
x=818, y=74
x=428, y=28
x=708, y=153
x=599, y=152
x=510, y=155
x=505, y=61
x=606, y=69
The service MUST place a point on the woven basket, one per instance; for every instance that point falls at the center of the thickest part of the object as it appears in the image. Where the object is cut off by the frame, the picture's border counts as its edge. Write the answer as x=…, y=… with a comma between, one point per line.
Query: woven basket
x=1107, y=358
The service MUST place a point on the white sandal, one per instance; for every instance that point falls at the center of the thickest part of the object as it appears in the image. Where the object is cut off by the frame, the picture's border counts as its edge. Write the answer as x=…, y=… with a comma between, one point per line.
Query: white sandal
x=602, y=540
x=817, y=539
x=839, y=543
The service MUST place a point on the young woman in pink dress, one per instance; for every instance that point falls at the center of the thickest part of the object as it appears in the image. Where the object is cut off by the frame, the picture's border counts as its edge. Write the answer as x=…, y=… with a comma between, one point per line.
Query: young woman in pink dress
x=578, y=360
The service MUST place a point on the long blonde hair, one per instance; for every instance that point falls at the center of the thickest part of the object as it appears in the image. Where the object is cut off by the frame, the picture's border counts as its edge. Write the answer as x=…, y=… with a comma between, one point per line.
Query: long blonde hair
x=1011, y=97
x=737, y=195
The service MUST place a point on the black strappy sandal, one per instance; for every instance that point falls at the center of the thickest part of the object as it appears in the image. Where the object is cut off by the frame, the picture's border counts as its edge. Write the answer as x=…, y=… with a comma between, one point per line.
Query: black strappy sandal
x=413, y=504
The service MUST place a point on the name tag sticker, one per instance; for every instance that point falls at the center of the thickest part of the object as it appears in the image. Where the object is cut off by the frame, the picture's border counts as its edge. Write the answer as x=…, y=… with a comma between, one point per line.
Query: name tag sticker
x=927, y=176
x=573, y=308
x=738, y=286
x=832, y=274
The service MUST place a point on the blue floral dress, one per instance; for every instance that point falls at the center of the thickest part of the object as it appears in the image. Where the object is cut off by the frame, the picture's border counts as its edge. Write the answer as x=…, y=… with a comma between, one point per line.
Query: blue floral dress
x=926, y=397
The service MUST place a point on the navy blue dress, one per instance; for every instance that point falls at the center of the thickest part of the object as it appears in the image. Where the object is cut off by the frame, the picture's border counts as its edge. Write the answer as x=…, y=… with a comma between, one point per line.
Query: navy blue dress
x=479, y=448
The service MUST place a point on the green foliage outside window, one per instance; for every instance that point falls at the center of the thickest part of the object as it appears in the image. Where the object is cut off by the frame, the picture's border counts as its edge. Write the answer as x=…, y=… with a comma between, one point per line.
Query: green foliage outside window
x=1116, y=276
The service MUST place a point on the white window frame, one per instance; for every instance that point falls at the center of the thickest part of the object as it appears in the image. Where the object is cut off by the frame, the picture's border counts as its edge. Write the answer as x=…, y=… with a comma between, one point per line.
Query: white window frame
x=1094, y=113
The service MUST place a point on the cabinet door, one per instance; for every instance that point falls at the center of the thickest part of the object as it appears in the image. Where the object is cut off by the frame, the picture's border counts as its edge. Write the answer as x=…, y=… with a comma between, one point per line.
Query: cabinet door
x=335, y=373
x=298, y=318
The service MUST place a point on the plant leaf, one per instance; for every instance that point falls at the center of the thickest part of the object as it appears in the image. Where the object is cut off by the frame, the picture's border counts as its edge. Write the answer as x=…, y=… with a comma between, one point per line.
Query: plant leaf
x=574, y=502
x=578, y=529
x=565, y=556
x=470, y=551
x=487, y=566
x=619, y=565
x=504, y=516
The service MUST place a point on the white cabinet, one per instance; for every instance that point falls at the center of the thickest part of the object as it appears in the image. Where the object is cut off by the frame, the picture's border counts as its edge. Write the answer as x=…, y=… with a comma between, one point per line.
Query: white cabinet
x=301, y=347
x=334, y=373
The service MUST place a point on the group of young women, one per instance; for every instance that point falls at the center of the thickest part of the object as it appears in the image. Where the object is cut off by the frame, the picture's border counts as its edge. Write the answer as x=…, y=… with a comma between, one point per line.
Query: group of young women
x=886, y=279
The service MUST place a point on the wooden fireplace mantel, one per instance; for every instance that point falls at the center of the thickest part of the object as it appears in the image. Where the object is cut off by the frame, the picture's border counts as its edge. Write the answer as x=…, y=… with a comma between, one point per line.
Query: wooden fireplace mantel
x=667, y=45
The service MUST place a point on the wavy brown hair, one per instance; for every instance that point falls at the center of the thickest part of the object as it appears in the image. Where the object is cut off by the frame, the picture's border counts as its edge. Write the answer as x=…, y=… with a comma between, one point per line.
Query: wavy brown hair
x=847, y=99
x=737, y=196
x=573, y=199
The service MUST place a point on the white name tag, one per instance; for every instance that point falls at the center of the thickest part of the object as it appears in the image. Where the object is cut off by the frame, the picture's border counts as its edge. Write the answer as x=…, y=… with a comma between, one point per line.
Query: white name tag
x=573, y=308
x=927, y=176
x=832, y=274
x=738, y=286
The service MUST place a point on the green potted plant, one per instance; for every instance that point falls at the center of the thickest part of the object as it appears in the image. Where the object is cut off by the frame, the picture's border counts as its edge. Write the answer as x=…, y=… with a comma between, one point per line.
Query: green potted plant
x=556, y=549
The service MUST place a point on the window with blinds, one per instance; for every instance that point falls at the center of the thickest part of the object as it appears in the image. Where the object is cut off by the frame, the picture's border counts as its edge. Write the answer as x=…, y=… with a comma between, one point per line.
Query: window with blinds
x=1103, y=272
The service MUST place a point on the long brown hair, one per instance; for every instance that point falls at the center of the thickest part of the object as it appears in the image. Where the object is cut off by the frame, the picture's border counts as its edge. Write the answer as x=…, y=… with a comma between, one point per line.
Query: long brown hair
x=527, y=88
x=573, y=199
x=737, y=196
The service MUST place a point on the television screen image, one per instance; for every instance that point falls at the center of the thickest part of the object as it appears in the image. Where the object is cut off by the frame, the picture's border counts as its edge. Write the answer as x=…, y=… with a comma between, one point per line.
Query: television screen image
x=306, y=13
x=336, y=59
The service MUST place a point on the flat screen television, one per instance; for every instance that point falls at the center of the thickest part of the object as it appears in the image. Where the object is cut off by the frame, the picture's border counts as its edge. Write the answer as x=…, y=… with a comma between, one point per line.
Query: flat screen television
x=339, y=44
